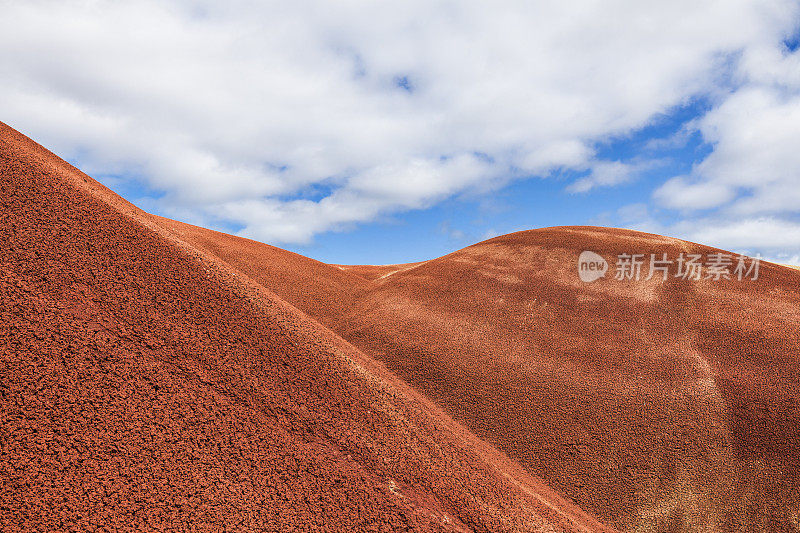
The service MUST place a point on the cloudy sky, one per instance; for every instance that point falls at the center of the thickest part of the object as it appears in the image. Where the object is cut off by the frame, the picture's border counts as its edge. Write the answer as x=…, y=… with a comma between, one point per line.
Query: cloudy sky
x=380, y=132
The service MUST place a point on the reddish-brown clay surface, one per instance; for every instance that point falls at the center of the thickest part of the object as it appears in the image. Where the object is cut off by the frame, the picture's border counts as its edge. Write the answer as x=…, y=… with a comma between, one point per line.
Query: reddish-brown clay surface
x=657, y=405
x=654, y=404
x=145, y=384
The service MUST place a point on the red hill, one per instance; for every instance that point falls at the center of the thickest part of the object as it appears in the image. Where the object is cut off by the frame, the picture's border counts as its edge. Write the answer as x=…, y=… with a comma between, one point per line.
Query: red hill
x=662, y=405
x=150, y=382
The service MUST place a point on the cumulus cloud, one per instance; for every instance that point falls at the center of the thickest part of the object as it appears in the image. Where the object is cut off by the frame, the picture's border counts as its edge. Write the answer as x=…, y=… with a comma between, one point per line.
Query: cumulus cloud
x=608, y=174
x=755, y=160
x=241, y=112
x=682, y=192
x=751, y=178
x=773, y=234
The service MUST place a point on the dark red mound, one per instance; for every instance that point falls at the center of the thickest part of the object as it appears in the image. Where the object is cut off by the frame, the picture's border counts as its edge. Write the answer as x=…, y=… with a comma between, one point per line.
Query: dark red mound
x=308, y=284
x=374, y=272
x=147, y=385
x=654, y=404
x=657, y=405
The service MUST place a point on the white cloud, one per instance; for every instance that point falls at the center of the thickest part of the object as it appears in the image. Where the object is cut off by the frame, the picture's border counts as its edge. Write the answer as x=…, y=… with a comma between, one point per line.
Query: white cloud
x=766, y=234
x=755, y=160
x=682, y=192
x=414, y=185
x=233, y=109
x=751, y=178
x=608, y=174
x=785, y=259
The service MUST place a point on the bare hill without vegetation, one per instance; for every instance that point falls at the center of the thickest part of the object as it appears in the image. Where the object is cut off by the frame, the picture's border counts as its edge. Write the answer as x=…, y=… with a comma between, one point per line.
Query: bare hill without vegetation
x=148, y=384
x=655, y=404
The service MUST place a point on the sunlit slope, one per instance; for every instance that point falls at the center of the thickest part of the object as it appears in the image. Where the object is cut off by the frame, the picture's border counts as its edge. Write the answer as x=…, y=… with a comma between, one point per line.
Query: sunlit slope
x=649, y=402
x=653, y=403
x=326, y=291
x=147, y=385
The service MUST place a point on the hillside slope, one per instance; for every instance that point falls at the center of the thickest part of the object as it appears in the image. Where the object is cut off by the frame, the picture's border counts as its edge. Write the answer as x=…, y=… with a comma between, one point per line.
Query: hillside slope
x=657, y=404
x=329, y=292
x=147, y=385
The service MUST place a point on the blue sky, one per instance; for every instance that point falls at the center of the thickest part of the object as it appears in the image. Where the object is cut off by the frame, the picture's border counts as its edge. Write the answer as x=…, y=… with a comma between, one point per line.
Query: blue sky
x=528, y=202
x=380, y=132
x=538, y=201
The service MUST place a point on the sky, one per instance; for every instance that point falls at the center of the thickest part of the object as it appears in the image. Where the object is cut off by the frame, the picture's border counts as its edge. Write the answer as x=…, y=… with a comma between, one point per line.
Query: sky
x=374, y=132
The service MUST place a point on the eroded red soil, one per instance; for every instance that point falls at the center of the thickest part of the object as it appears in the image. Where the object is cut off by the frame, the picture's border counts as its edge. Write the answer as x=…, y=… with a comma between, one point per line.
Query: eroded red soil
x=661, y=405
x=147, y=384
x=159, y=371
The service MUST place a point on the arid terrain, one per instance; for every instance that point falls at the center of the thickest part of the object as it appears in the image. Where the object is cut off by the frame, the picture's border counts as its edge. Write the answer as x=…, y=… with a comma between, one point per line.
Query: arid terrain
x=656, y=405
x=159, y=375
